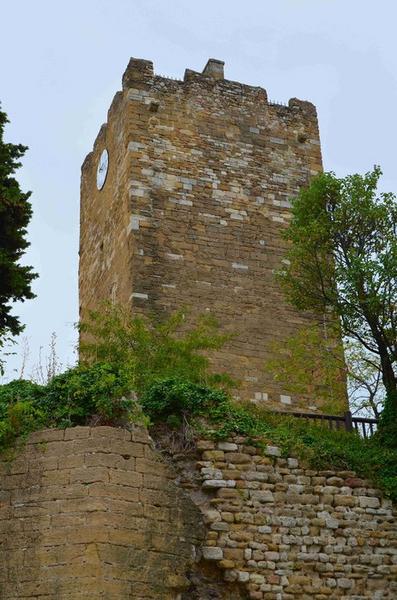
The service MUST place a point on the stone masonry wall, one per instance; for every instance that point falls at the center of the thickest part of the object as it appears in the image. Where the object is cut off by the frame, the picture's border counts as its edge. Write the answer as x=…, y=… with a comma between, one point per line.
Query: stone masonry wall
x=201, y=173
x=99, y=513
x=292, y=533
x=93, y=513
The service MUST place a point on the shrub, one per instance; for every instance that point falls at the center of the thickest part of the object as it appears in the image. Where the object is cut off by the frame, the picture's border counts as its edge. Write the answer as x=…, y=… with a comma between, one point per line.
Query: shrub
x=18, y=391
x=80, y=396
x=177, y=397
x=175, y=348
x=120, y=353
x=213, y=413
x=387, y=433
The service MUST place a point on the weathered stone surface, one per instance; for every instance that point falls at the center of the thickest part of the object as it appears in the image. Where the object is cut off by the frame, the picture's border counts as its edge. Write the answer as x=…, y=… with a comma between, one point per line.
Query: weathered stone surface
x=281, y=540
x=88, y=525
x=72, y=526
x=227, y=446
x=366, y=502
x=198, y=191
x=212, y=553
x=219, y=483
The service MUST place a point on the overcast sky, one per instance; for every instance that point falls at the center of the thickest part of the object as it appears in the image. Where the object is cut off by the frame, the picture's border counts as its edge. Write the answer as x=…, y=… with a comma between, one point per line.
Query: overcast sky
x=62, y=62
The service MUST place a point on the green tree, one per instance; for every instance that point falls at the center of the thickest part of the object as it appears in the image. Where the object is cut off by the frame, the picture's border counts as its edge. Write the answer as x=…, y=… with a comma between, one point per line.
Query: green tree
x=343, y=263
x=15, y=214
x=364, y=376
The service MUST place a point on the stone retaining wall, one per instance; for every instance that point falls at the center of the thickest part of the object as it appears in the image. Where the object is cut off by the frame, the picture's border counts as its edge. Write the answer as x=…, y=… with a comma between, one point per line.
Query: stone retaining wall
x=93, y=513
x=289, y=532
x=99, y=513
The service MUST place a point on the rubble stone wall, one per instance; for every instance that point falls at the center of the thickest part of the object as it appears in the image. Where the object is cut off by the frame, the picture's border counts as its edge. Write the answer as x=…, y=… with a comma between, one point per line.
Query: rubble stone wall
x=289, y=532
x=201, y=174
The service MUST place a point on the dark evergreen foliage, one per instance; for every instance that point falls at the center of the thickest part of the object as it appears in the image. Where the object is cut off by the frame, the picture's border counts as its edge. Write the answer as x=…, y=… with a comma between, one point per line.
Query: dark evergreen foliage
x=15, y=214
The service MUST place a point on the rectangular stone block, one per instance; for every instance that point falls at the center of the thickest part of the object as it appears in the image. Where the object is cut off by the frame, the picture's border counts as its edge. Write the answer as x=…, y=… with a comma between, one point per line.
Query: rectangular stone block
x=127, y=478
x=111, y=490
x=368, y=502
x=45, y=435
x=89, y=474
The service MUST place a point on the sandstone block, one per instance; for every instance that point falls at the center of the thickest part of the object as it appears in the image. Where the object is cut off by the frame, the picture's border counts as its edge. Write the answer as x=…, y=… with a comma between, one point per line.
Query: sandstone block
x=212, y=553
x=74, y=433
x=226, y=564
x=45, y=435
x=262, y=496
x=368, y=502
x=237, y=457
x=89, y=475
x=273, y=451
x=213, y=455
x=205, y=445
x=133, y=479
x=345, y=583
x=218, y=483
x=227, y=446
x=345, y=501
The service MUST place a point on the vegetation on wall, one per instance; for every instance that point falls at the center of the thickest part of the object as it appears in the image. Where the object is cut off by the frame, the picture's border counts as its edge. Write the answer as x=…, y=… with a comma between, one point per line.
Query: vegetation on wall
x=212, y=413
x=121, y=357
x=100, y=394
x=15, y=214
x=311, y=365
x=174, y=390
x=150, y=350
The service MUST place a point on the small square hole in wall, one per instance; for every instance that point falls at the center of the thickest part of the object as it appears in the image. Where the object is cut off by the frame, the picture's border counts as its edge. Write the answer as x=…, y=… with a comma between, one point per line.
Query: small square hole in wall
x=285, y=399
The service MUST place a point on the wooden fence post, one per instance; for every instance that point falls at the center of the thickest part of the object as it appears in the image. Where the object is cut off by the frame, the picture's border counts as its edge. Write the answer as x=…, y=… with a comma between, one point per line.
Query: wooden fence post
x=348, y=421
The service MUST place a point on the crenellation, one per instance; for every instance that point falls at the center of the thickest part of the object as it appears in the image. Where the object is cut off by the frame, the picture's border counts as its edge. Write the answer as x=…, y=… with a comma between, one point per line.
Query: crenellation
x=138, y=70
x=214, y=68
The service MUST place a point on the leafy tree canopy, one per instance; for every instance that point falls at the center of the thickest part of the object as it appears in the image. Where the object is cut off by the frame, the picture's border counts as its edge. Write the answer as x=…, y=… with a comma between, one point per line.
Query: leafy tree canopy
x=15, y=214
x=343, y=261
x=311, y=365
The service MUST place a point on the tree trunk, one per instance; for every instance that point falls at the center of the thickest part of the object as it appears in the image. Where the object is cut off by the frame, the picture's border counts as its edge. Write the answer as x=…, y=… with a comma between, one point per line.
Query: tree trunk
x=388, y=375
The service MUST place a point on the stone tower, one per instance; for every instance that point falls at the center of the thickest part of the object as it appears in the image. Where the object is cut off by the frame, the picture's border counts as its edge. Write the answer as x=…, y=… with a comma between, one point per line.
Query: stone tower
x=187, y=209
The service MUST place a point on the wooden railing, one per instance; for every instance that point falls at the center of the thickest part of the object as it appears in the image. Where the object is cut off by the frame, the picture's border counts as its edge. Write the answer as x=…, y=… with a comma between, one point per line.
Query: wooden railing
x=364, y=426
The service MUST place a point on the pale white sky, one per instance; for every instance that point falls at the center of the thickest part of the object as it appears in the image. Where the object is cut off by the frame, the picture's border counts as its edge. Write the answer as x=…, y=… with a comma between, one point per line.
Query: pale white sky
x=61, y=64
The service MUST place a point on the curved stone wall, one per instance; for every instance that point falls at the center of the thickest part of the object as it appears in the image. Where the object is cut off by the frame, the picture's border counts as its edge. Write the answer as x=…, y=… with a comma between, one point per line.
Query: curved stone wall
x=93, y=513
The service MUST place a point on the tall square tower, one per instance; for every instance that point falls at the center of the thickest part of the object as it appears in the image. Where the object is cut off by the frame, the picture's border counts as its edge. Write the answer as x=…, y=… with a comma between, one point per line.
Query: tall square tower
x=183, y=201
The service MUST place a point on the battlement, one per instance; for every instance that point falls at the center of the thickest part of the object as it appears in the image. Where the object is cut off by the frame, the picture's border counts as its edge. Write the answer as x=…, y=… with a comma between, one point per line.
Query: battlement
x=141, y=84
x=141, y=72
